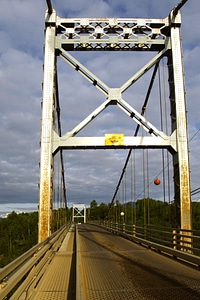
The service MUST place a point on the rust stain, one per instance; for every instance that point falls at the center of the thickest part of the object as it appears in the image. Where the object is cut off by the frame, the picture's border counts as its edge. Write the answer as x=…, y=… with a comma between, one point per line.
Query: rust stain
x=44, y=212
x=185, y=198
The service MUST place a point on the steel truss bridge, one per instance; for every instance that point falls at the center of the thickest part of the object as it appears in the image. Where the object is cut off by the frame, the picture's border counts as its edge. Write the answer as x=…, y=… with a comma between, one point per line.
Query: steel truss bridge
x=110, y=260
x=64, y=36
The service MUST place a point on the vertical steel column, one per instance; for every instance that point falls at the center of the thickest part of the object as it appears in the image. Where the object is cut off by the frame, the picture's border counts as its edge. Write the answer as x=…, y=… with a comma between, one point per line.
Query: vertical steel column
x=84, y=212
x=181, y=160
x=46, y=158
x=73, y=206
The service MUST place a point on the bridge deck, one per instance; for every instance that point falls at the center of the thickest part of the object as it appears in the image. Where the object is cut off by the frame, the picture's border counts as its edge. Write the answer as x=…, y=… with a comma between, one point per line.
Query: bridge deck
x=58, y=282
x=115, y=268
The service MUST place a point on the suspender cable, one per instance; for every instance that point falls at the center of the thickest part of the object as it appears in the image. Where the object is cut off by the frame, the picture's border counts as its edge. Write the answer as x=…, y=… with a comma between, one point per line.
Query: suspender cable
x=166, y=129
x=196, y=191
x=161, y=121
x=136, y=132
x=148, y=196
x=176, y=8
x=60, y=134
x=131, y=192
x=144, y=187
x=50, y=7
x=135, y=215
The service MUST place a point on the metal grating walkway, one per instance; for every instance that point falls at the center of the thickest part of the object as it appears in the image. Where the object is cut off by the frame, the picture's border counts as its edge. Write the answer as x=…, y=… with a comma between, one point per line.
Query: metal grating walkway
x=57, y=282
x=116, y=269
x=111, y=267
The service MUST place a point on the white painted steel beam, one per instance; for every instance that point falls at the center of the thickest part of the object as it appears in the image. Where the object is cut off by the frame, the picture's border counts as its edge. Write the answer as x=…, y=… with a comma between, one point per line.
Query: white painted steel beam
x=183, y=176
x=113, y=34
x=146, y=68
x=128, y=142
x=99, y=84
x=46, y=158
x=79, y=211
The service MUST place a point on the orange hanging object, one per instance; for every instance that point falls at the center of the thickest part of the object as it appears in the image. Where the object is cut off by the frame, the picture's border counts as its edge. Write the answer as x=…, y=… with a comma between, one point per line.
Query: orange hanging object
x=157, y=181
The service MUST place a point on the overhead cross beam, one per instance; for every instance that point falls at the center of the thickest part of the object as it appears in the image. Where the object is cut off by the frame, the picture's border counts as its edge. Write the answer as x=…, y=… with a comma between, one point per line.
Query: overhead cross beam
x=113, y=97
x=112, y=34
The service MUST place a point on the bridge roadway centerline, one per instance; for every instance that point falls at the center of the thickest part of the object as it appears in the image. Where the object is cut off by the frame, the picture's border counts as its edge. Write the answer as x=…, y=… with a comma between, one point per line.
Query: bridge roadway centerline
x=116, y=268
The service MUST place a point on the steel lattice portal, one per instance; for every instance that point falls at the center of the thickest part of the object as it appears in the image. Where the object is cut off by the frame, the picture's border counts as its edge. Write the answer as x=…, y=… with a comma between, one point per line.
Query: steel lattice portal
x=79, y=213
x=63, y=36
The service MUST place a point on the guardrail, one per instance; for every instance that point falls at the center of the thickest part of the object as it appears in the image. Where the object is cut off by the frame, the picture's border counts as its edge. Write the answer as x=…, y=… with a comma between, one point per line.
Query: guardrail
x=178, y=243
x=21, y=275
x=28, y=265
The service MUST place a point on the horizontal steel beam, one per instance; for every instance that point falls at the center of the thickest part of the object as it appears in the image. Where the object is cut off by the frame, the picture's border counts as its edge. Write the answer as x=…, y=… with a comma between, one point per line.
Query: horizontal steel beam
x=111, y=34
x=139, y=142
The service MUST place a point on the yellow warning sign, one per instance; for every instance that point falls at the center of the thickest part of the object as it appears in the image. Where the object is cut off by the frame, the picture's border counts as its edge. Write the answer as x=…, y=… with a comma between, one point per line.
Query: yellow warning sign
x=114, y=139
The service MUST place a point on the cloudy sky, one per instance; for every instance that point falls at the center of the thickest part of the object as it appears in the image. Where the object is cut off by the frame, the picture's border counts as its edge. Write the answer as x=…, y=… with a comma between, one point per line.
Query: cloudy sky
x=91, y=174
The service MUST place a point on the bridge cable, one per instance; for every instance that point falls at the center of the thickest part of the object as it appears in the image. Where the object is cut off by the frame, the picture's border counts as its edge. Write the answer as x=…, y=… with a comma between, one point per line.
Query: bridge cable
x=145, y=157
x=195, y=191
x=135, y=216
x=163, y=113
x=161, y=124
x=176, y=8
x=131, y=185
x=144, y=182
x=166, y=129
x=60, y=134
x=135, y=134
x=167, y=165
x=50, y=7
x=175, y=11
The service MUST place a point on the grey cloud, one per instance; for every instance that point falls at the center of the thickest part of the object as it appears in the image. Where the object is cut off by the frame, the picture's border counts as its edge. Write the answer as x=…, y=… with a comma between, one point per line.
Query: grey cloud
x=89, y=174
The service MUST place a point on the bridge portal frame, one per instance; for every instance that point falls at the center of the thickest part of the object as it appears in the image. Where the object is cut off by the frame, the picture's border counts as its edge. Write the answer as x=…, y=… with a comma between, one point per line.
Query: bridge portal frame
x=110, y=34
x=79, y=211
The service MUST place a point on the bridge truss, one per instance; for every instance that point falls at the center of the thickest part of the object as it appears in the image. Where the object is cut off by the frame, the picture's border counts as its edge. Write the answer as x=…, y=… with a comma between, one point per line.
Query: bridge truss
x=79, y=213
x=64, y=36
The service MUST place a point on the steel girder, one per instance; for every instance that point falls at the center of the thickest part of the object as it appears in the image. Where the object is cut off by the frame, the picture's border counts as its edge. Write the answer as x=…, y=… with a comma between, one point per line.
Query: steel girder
x=111, y=34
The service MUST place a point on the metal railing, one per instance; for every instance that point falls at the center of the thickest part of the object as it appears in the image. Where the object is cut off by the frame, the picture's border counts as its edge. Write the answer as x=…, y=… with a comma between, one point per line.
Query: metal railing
x=178, y=243
x=20, y=274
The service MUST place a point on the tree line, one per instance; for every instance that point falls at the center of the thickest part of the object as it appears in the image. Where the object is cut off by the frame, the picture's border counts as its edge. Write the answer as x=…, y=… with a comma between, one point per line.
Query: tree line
x=19, y=232
x=143, y=211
